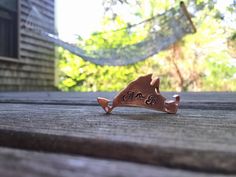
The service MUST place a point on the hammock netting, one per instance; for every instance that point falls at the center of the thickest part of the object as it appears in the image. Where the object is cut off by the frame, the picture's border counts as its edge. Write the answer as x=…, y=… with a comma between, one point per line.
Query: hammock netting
x=157, y=34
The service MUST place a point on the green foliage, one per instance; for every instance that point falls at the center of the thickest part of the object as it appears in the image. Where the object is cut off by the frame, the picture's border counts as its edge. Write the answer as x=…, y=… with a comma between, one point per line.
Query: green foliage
x=79, y=75
x=199, y=62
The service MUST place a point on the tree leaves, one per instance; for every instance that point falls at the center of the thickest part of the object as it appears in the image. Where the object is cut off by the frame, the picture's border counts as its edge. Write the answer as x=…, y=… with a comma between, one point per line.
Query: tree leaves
x=200, y=62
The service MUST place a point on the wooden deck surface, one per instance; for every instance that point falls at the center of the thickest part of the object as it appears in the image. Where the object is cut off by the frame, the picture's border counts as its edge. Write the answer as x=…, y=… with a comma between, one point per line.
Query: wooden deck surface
x=57, y=130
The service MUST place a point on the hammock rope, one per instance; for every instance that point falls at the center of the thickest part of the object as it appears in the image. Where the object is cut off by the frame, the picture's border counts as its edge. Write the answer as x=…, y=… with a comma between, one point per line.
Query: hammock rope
x=163, y=30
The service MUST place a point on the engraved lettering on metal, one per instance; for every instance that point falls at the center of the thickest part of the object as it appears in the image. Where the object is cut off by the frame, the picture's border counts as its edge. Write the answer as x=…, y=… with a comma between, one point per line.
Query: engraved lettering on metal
x=143, y=92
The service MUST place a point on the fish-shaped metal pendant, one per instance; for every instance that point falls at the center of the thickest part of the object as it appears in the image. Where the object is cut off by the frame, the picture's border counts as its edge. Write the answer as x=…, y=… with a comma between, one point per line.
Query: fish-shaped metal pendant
x=143, y=92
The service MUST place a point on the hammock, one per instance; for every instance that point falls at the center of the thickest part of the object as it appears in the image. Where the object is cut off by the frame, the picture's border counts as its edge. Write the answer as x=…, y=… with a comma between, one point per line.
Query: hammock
x=162, y=30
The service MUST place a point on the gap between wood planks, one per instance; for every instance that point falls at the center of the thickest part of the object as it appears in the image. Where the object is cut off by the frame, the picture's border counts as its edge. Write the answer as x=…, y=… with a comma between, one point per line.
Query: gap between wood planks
x=199, y=140
x=35, y=164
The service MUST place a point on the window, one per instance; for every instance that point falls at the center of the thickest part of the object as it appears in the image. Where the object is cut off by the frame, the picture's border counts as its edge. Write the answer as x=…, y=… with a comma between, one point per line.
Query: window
x=8, y=28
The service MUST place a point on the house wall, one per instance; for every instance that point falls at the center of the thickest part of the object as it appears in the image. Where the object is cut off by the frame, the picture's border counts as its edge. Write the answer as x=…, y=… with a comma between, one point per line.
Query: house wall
x=33, y=69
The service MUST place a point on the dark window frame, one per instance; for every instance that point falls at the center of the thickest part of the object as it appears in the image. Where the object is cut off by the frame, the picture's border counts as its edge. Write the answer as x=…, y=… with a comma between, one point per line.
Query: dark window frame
x=15, y=56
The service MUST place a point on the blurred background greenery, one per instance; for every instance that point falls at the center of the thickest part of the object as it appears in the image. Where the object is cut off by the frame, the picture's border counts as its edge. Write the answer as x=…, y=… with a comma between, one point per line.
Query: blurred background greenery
x=204, y=61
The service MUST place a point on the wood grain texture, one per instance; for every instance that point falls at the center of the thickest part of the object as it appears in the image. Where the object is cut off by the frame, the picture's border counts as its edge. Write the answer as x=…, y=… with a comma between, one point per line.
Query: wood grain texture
x=33, y=164
x=203, y=140
x=188, y=100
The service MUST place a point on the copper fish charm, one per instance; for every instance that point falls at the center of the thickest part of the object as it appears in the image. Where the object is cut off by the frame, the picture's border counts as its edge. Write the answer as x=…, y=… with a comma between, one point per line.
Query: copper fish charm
x=143, y=92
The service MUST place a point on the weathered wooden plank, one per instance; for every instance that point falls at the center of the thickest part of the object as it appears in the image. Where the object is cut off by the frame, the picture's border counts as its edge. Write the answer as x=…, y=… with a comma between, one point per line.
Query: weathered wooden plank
x=45, y=9
x=4, y=73
x=37, y=49
x=50, y=3
x=25, y=80
x=38, y=62
x=11, y=60
x=189, y=100
x=34, y=36
x=203, y=140
x=29, y=58
x=39, y=43
x=35, y=164
x=28, y=68
x=48, y=16
x=35, y=56
x=47, y=26
x=34, y=81
x=43, y=6
x=14, y=87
